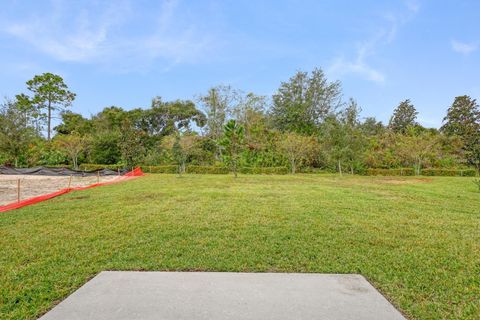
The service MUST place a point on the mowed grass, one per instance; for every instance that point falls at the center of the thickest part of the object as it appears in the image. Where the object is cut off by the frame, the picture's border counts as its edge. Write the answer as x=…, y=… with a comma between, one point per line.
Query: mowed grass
x=416, y=239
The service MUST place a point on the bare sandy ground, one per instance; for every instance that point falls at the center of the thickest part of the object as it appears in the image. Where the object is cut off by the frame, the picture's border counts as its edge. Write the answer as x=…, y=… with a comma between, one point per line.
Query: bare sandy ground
x=33, y=185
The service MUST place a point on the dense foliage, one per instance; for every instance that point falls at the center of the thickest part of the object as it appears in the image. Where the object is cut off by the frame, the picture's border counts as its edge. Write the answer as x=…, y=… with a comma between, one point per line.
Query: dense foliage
x=305, y=126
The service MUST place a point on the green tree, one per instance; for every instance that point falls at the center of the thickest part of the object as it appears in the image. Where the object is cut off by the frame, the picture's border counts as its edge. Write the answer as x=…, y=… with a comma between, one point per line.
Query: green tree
x=51, y=155
x=232, y=142
x=302, y=104
x=335, y=143
x=343, y=140
x=104, y=147
x=218, y=104
x=182, y=147
x=250, y=113
x=353, y=138
x=179, y=155
x=109, y=119
x=463, y=120
x=73, y=122
x=351, y=115
x=404, y=116
x=165, y=118
x=15, y=132
x=249, y=108
x=298, y=149
x=417, y=150
x=72, y=144
x=380, y=151
x=31, y=116
x=130, y=144
x=371, y=127
x=50, y=93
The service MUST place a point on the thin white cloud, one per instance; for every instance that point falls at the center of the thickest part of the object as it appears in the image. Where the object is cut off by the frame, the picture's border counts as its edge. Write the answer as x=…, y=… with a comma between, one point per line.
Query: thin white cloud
x=464, y=48
x=90, y=35
x=359, y=66
x=361, y=63
x=184, y=45
x=81, y=37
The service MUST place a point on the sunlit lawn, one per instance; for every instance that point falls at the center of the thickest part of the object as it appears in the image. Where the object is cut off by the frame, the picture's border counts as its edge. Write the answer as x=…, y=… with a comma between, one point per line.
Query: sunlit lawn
x=416, y=239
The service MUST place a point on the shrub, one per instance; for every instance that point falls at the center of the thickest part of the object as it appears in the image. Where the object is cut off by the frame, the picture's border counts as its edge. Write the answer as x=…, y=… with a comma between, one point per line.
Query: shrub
x=207, y=170
x=214, y=169
x=390, y=172
x=160, y=169
x=424, y=172
x=90, y=166
x=264, y=170
x=52, y=157
x=449, y=172
x=314, y=170
x=104, y=148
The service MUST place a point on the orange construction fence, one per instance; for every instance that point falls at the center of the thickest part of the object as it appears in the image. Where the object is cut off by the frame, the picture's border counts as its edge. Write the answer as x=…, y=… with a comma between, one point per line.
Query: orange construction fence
x=137, y=172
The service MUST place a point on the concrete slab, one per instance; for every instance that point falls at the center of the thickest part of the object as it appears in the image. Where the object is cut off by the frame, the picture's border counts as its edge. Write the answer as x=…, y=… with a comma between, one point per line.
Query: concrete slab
x=216, y=295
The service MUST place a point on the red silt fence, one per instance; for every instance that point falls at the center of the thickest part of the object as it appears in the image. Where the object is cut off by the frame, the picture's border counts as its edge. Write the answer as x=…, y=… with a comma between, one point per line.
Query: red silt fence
x=135, y=173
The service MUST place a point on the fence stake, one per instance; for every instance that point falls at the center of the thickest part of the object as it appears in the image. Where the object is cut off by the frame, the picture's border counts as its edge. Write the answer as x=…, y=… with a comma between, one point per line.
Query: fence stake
x=69, y=182
x=98, y=176
x=18, y=190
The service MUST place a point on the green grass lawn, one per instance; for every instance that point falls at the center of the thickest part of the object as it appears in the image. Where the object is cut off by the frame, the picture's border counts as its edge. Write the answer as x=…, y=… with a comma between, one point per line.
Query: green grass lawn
x=416, y=239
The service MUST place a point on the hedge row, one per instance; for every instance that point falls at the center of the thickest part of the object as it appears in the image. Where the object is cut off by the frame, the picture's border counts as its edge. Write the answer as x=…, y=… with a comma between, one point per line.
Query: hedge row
x=160, y=169
x=284, y=170
x=313, y=170
x=206, y=170
x=266, y=170
x=423, y=172
x=449, y=172
x=192, y=169
x=391, y=172
x=214, y=170
x=89, y=166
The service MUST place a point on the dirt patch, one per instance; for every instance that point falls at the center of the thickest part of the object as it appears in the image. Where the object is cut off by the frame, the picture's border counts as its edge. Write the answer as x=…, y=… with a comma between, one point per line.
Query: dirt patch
x=397, y=180
x=32, y=186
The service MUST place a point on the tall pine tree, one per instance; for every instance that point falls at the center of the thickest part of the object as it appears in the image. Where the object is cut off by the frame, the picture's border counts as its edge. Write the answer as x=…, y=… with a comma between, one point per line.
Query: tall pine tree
x=404, y=116
x=463, y=120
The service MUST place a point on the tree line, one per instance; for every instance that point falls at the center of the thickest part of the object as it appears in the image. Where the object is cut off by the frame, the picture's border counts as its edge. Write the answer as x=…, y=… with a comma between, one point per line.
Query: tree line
x=305, y=124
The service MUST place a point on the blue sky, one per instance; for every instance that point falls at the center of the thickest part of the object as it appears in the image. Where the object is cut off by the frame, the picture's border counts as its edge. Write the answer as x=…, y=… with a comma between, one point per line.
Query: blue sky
x=124, y=53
